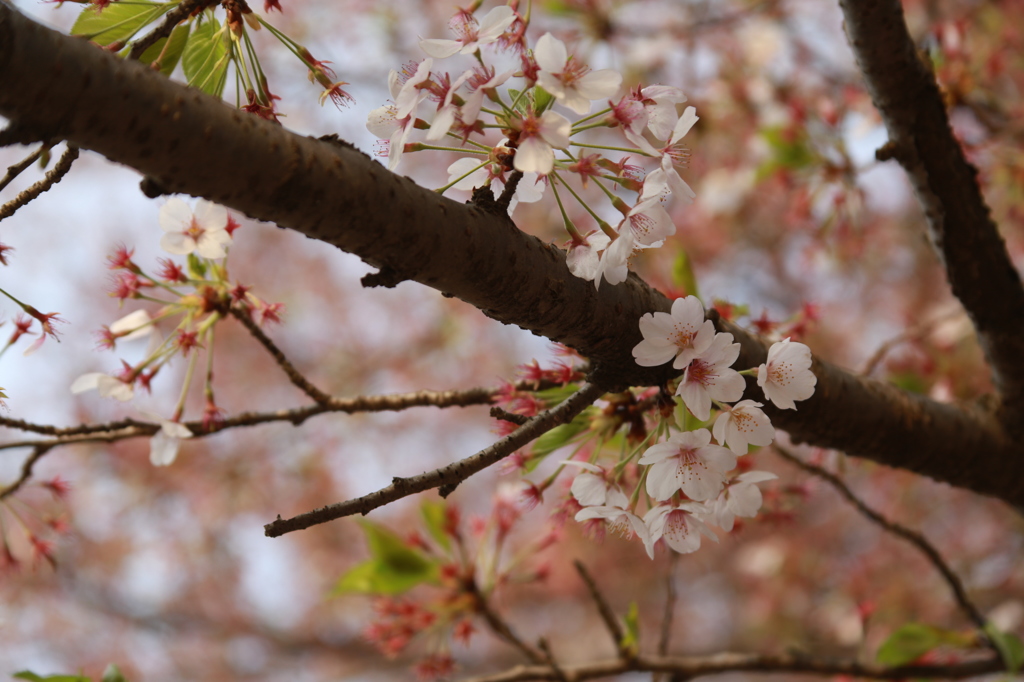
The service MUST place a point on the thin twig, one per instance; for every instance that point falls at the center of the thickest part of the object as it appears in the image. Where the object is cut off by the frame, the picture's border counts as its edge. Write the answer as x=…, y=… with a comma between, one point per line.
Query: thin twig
x=446, y=478
x=294, y=375
x=502, y=629
x=717, y=664
x=18, y=168
x=549, y=657
x=26, y=471
x=670, y=605
x=916, y=332
x=913, y=537
x=171, y=19
x=607, y=615
x=52, y=177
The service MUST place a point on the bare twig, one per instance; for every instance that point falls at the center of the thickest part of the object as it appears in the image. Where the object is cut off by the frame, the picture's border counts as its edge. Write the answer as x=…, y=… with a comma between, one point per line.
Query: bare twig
x=17, y=169
x=918, y=331
x=52, y=177
x=500, y=627
x=914, y=538
x=717, y=664
x=294, y=375
x=171, y=19
x=670, y=604
x=26, y=471
x=447, y=478
x=607, y=615
x=549, y=657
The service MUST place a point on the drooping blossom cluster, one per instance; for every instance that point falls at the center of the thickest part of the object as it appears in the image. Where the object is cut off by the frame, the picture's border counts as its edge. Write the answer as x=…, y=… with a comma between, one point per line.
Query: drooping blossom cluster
x=688, y=481
x=528, y=103
x=193, y=297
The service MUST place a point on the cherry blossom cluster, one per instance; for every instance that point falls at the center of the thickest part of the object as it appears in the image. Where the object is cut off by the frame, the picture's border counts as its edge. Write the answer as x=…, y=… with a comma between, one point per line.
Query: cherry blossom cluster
x=690, y=482
x=193, y=297
x=540, y=147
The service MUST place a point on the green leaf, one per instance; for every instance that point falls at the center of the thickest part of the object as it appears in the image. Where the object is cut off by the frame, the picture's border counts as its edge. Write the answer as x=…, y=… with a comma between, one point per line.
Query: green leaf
x=394, y=567
x=558, y=394
x=682, y=275
x=206, y=57
x=914, y=640
x=559, y=436
x=685, y=419
x=177, y=42
x=435, y=516
x=1010, y=648
x=113, y=674
x=631, y=637
x=542, y=99
x=28, y=675
x=118, y=20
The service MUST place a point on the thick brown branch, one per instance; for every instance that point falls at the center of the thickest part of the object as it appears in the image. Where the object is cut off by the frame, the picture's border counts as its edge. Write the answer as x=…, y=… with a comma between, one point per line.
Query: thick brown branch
x=717, y=664
x=448, y=477
x=188, y=142
x=979, y=268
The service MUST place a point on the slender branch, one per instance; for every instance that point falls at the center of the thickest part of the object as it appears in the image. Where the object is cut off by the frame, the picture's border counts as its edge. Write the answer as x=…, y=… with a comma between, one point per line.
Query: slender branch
x=52, y=177
x=900, y=531
x=670, y=604
x=717, y=664
x=611, y=622
x=294, y=375
x=980, y=270
x=26, y=471
x=171, y=19
x=447, y=478
x=918, y=331
x=17, y=169
x=500, y=627
x=549, y=658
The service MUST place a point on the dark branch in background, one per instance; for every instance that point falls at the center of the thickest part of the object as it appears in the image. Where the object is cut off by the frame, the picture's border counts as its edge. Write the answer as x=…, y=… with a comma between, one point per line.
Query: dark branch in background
x=498, y=625
x=611, y=622
x=977, y=264
x=189, y=142
x=52, y=177
x=902, y=532
x=17, y=169
x=686, y=667
x=447, y=478
x=26, y=471
x=294, y=375
x=171, y=19
x=670, y=604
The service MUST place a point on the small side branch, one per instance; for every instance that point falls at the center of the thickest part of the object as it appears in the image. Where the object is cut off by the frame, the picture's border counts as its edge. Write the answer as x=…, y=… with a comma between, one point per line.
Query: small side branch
x=611, y=622
x=447, y=478
x=52, y=177
x=17, y=169
x=902, y=532
x=26, y=471
x=501, y=628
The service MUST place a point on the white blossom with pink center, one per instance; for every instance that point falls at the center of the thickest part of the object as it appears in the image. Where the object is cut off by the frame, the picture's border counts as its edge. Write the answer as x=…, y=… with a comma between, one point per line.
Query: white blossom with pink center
x=739, y=498
x=572, y=83
x=537, y=137
x=687, y=461
x=787, y=375
x=203, y=232
x=682, y=334
x=679, y=526
x=471, y=35
x=709, y=377
x=742, y=425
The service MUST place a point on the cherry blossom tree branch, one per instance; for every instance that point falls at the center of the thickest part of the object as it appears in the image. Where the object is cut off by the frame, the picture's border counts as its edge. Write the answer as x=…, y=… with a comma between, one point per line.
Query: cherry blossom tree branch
x=26, y=471
x=17, y=169
x=980, y=271
x=296, y=377
x=500, y=627
x=184, y=141
x=611, y=622
x=52, y=177
x=899, y=530
x=446, y=478
x=687, y=667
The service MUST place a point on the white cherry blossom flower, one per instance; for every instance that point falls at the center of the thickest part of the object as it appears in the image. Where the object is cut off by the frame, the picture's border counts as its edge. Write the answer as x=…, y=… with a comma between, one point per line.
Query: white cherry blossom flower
x=204, y=232
x=787, y=376
x=622, y=522
x=106, y=385
x=739, y=498
x=445, y=116
x=687, y=461
x=471, y=35
x=682, y=334
x=649, y=222
x=394, y=122
x=536, y=139
x=584, y=258
x=134, y=325
x=660, y=103
x=665, y=180
x=475, y=99
x=164, y=445
x=572, y=83
x=592, y=489
x=743, y=424
x=709, y=377
x=678, y=525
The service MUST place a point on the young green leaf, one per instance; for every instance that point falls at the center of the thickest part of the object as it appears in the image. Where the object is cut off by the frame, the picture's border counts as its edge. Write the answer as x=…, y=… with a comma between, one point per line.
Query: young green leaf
x=205, y=58
x=435, y=518
x=118, y=20
x=1010, y=648
x=914, y=640
x=175, y=45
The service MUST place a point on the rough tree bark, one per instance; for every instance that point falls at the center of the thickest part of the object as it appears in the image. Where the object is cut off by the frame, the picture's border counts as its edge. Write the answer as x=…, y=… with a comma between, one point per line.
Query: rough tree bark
x=56, y=87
